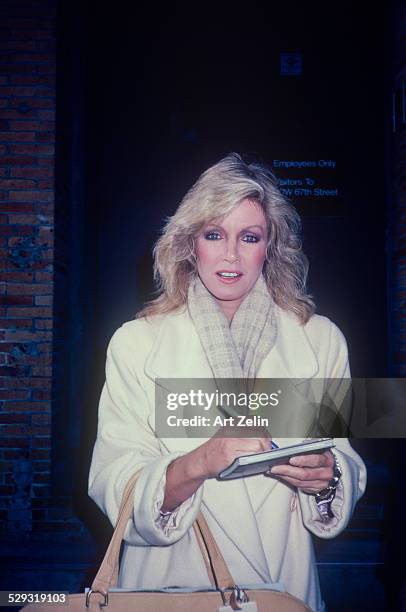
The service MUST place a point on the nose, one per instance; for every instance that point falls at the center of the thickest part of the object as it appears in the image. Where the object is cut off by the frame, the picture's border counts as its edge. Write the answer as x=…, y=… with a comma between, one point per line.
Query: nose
x=232, y=258
x=231, y=254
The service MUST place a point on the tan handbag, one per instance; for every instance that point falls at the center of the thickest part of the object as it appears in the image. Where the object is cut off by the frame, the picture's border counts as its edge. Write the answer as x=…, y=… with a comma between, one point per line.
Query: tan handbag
x=223, y=592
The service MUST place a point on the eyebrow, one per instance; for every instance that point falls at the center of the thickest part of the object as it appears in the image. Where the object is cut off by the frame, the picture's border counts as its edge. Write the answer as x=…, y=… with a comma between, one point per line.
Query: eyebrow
x=244, y=228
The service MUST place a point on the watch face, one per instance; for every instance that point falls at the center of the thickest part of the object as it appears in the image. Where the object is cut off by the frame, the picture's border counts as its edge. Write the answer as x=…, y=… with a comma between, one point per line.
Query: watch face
x=325, y=495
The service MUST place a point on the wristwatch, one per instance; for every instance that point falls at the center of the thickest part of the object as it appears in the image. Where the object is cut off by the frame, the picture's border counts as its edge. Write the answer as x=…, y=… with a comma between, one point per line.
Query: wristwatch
x=326, y=496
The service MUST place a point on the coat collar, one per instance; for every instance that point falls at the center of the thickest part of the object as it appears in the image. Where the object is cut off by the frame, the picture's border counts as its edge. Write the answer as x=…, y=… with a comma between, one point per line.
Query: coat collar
x=178, y=353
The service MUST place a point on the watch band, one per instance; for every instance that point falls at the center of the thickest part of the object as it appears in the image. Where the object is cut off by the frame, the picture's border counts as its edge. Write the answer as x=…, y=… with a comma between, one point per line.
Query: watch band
x=326, y=496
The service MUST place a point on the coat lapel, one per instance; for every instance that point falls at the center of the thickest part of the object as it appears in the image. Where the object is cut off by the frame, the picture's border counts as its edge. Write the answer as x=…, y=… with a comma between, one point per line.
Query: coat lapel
x=292, y=356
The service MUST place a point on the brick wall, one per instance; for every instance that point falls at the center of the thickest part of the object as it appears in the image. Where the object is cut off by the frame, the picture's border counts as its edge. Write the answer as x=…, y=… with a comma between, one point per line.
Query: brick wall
x=27, y=159
x=398, y=212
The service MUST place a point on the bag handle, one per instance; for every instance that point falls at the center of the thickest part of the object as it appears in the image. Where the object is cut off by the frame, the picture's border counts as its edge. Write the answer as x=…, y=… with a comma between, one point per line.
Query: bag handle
x=107, y=575
x=108, y=572
x=217, y=569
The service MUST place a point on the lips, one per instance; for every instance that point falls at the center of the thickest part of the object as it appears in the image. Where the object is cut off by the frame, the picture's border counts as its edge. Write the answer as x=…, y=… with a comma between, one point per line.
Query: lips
x=229, y=273
x=229, y=276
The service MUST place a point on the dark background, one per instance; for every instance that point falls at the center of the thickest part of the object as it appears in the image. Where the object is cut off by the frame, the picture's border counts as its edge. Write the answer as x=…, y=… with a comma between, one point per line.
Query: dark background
x=169, y=93
x=149, y=98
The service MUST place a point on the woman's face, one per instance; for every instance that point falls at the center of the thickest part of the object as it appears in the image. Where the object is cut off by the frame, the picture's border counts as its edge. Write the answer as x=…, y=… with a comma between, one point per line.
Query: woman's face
x=230, y=254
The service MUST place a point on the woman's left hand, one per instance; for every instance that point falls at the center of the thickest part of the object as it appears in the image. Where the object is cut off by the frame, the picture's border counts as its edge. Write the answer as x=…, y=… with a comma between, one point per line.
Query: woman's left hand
x=310, y=473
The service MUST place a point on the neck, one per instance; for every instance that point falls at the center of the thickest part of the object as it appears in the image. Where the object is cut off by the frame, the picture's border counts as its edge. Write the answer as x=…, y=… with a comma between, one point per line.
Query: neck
x=229, y=308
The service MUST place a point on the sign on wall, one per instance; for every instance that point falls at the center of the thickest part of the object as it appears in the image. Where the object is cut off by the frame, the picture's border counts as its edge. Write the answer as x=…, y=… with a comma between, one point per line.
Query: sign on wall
x=311, y=184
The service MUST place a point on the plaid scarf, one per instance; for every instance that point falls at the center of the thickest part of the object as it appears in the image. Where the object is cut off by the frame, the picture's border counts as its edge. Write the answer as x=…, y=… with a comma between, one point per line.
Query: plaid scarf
x=237, y=350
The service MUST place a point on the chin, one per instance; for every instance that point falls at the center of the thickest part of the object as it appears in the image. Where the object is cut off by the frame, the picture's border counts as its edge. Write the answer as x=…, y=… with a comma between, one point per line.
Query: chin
x=227, y=295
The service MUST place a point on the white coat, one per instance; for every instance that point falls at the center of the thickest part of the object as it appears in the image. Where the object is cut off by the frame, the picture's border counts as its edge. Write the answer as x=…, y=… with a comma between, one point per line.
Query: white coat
x=261, y=525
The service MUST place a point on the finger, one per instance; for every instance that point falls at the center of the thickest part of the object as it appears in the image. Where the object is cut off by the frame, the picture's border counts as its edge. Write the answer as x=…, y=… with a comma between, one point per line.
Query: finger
x=252, y=445
x=303, y=474
x=313, y=486
x=312, y=460
x=266, y=443
x=312, y=490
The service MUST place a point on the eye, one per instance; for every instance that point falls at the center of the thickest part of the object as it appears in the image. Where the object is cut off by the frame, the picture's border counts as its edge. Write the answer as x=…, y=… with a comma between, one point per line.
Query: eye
x=212, y=235
x=251, y=238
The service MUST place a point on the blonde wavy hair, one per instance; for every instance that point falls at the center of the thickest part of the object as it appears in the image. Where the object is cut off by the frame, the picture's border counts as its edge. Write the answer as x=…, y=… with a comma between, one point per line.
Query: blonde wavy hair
x=217, y=192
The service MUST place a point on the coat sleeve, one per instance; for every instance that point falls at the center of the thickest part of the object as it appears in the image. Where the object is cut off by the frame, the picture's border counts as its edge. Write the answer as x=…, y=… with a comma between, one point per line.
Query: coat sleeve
x=353, y=481
x=126, y=444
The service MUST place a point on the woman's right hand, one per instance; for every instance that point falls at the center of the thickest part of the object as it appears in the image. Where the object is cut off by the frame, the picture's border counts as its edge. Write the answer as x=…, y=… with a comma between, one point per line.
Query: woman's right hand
x=188, y=472
x=220, y=451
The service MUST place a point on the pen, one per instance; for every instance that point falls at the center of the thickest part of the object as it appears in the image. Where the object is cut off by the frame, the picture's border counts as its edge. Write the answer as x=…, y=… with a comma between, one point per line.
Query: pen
x=274, y=446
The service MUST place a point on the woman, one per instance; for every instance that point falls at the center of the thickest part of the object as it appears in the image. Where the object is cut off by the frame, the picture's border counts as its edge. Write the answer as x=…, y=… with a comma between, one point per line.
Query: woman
x=232, y=304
